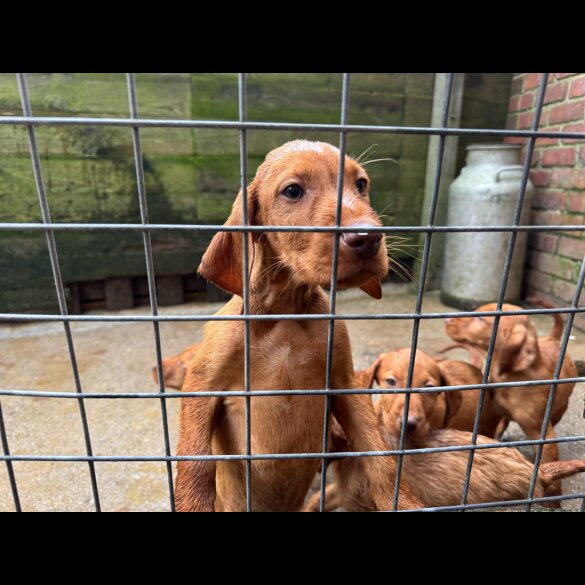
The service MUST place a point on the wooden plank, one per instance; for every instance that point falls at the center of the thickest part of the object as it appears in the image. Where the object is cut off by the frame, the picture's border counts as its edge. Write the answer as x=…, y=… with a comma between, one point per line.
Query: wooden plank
x=119, y=294
x=30, y=300
x=140, y=286
x=216, y=295
x=191, y=176
x=194, y=283
x=92, y=291
x=74, y=305
x=169, y=290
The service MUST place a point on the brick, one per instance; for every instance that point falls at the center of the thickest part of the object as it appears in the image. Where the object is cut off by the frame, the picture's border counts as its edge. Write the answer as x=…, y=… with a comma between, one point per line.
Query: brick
x=563, y=75
x=550, y=264
x=543, y=282
x=577, y=87
x=576, y=202
x=572, y=220
x=559, y=157
x=527, y=101
x=540, y=178
x=556, y=92
x=543, y=242
x=549, y=200
x=582, y=154
x=525, y=120
x=531, y=81
x=535, y=158
x=571, y=248
x=545, y=217
x=563, y=290
x=514, y=104
x=579, y=179
x=576, y=127
x=566, y=112
x=549, y=141
x=562, y=178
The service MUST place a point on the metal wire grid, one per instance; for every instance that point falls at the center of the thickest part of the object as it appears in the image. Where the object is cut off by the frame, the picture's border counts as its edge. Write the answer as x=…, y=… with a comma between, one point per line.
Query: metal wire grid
x=146, y=228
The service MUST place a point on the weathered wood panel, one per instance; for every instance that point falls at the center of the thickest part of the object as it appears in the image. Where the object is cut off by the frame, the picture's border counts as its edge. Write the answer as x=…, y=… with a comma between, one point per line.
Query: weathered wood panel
x=191, y=176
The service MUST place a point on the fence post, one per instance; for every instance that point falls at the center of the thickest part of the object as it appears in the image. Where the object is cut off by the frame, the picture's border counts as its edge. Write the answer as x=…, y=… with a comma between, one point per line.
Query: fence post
x=448, y=173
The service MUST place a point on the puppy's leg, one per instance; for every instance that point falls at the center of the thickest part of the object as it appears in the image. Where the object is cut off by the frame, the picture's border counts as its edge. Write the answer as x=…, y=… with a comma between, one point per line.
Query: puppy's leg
x=501, y=428
x=550, y=452
x=332, y=500
x=356, y=416
x=195, y=483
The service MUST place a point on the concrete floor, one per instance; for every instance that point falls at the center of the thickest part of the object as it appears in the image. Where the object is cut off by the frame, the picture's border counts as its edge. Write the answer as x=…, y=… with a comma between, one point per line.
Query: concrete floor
x=118, y=358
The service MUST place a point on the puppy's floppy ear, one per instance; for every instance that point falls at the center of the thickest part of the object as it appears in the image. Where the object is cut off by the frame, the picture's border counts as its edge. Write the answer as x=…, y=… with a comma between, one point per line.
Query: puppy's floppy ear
x=365, y=378
x=222, y=262
x=518, y=349
x=453, y=400
x=373, y=287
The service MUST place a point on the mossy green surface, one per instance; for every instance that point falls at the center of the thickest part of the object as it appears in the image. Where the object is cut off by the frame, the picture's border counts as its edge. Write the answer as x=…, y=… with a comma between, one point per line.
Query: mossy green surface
x=192, y=176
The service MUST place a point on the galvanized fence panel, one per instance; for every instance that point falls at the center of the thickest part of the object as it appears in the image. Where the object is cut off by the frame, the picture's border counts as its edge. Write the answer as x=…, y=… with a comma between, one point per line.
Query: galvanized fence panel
x=134, y=122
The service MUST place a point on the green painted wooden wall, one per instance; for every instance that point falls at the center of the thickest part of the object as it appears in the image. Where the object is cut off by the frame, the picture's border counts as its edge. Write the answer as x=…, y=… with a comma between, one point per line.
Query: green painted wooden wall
x=191, y=175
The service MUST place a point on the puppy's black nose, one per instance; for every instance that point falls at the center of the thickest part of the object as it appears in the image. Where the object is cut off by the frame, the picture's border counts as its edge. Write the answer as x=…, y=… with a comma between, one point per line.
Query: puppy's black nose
x=411, y=423
x=363, y=243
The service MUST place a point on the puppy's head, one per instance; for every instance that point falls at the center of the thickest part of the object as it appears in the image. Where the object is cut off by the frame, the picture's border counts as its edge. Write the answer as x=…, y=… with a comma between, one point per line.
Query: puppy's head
x=516, y=345
x=296, y=185
x=426, y=411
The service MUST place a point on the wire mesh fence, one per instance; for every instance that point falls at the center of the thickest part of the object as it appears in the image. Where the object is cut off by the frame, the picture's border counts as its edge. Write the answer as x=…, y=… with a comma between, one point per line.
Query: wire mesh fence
x=135, y=123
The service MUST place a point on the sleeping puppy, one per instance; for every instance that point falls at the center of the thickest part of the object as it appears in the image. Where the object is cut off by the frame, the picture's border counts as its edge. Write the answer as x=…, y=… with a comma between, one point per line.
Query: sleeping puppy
x=437, y=479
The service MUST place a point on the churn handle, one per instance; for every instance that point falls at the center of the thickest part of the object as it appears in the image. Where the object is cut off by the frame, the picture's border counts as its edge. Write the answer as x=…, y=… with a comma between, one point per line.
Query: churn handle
x=508, y=168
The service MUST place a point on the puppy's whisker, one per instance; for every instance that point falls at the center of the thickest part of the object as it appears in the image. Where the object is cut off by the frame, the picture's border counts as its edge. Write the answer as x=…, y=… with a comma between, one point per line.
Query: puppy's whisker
x=360, y=157
x=388, y=206
x=401, y=270
x=369, y=162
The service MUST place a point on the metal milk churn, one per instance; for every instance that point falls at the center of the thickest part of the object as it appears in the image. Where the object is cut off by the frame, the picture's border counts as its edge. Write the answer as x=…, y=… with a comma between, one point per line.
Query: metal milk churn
x=485, y=193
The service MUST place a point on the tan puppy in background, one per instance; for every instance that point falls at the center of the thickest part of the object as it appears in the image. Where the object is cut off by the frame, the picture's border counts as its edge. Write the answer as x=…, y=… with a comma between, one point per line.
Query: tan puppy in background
x=433, y=410
x=519, y=354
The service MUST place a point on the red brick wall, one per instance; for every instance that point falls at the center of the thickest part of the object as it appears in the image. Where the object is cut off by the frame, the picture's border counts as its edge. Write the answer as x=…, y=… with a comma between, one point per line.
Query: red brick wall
x=558, y=174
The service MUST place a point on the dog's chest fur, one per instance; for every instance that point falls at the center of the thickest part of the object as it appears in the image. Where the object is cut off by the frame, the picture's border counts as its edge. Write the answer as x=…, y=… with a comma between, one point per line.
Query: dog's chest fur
x=285, y=355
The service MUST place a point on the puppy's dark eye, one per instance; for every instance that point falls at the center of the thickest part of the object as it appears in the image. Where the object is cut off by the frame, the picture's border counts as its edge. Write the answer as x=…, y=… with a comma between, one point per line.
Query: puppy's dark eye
x=391, y=381
x=429, y=385
x=294, y=192
x=361, y=185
